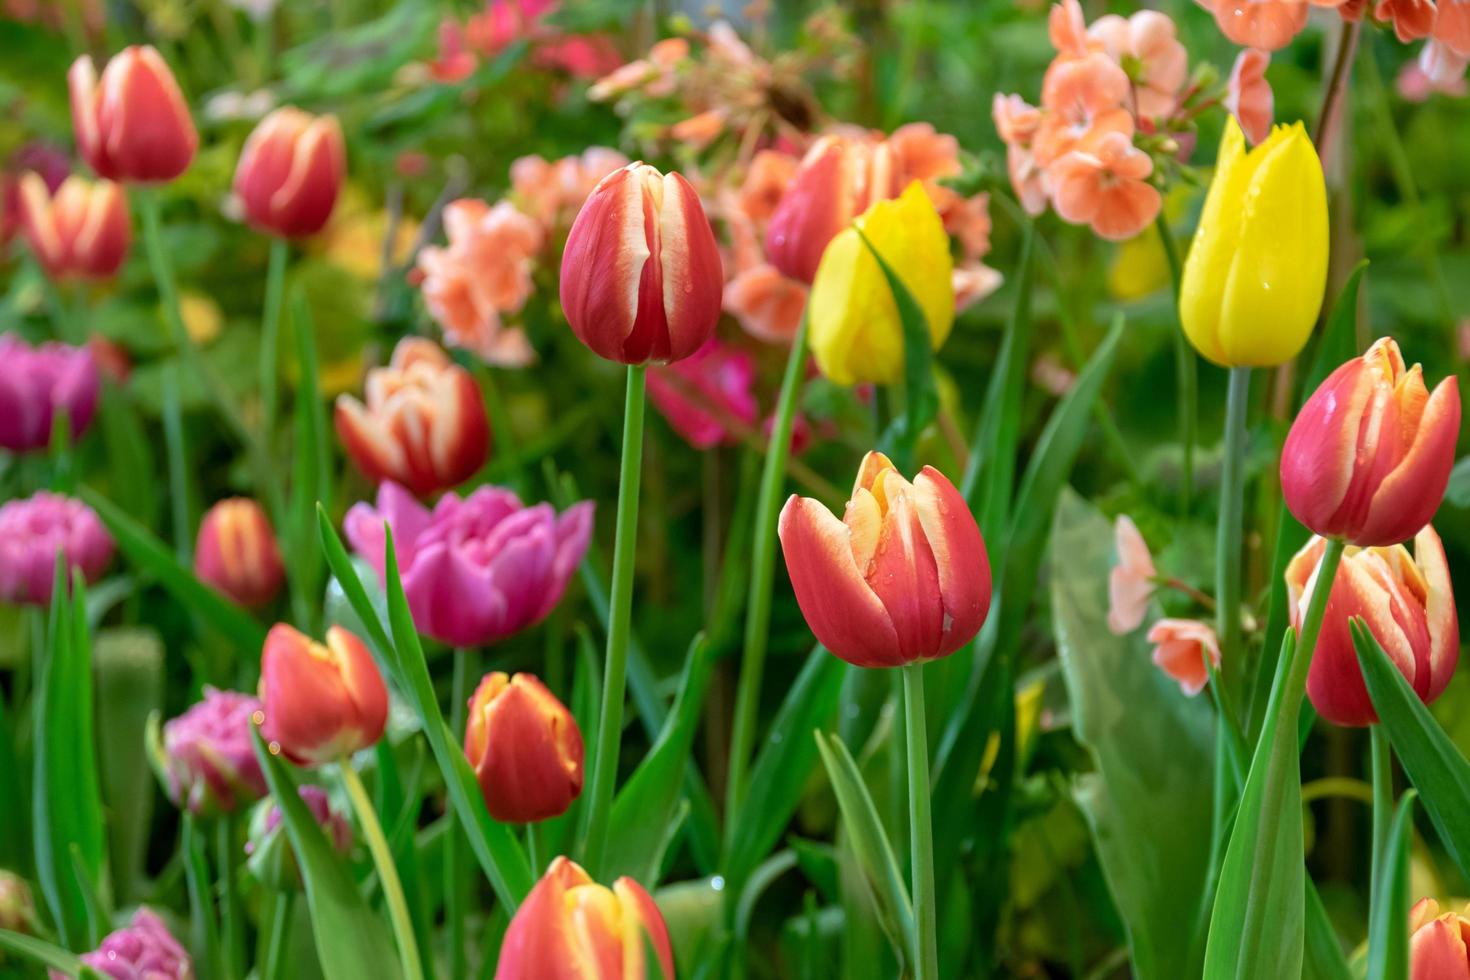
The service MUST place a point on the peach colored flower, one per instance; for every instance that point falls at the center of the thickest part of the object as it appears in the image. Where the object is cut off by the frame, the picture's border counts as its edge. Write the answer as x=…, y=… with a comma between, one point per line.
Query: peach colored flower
x=1104, y=184
x=922, y=153
x=1443, y=69
x=1266, y=24
x=968, y=221
x=972, y=283
x=553, y=192
x=1082, y=97
x=1015, y=120
x=1248, y=95
x=1067, y=29
x=1452, y=26
x=767, y=304
x=455, y=62
x=1146, y=45
x=1180, y=646
x=699, y=130
x=1028, y=179
x=582, y=56
x=1412, y=19
x=766, y=179
x=1131, y=581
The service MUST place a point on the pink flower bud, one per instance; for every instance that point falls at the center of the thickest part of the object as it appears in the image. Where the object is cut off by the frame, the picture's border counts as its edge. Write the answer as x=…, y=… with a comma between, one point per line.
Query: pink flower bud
x=211, y=763
x=134, y=125
x=81, y=232
x=290, y=171
x=38, y=382
x=321, y=702
x=34, y=531
x=142, y=949
x=525, y=748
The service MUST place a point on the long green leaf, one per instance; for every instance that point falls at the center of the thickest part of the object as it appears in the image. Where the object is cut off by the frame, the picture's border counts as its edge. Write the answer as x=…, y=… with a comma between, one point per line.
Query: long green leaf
x=1388, y=925
x=1325, y=959
x=40, y=952
x=921, y=401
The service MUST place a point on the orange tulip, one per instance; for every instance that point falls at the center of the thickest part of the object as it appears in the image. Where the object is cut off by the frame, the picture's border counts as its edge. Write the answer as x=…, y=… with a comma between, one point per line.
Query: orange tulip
x=134, y=125
x=525, y=748
x=237, y=552
x=321, y=702
x=903, y=577
x=290, y=171
x=571, y=928
x=81, y=232
x=1439, y=945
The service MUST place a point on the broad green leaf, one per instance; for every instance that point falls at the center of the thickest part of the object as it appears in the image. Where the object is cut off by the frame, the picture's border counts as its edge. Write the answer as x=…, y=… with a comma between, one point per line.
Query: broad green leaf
x=921, y=401
x=40, y=952
x=1325, y=960
x=345, y=573
x=351, y=941
x=1388, y=921
x=129, y=677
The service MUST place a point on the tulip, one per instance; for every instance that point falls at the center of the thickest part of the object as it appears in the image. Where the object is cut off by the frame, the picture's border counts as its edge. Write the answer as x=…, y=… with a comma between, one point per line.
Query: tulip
x=1180, y=646
x=141, y=950
x=571, y=928
x=17, y=906
x=268, y=849
x=81, y=232
x=1369, y=455
x=210, y=762
x=525, y=748
x=237, y=552
x=641, y=278
x=1439, y=944
x=902, y=578
x=475, y=570
x=702, y=395
x=1256, y=270
x=838, y=179
x=290, y=172
x=34, y=531
x=1406, y=602
x=423, y=423
x=134, y=125
x=321, y=702
x=856, y=333
x=38, y=382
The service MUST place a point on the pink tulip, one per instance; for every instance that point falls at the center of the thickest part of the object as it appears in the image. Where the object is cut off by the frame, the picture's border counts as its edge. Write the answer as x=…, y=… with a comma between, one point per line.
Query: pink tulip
x=700, y=393
x=34, y=531
x=1180, y=646
x=1439, y=944
x=38, y=382
x=142, y=950
x=1131, y=581
x=211, y=762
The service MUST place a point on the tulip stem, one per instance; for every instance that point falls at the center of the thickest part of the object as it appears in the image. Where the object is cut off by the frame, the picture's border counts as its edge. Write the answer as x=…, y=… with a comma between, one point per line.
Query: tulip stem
x=620, y=610
x=926, y=956
x=232, y=937
x=1382, y=799
x=279, y=936
x=372, y=831
x=1184, y=368
x=270, y=334
x=1232, y=500
x=762, y=572
x=534, y=848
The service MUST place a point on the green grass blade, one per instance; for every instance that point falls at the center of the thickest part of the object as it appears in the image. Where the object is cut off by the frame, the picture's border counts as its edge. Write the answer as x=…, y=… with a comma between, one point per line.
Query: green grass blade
x=1388, y=921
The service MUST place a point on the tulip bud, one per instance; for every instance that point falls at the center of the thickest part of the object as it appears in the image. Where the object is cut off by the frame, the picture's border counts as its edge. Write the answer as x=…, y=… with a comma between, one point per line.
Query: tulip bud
x=290, y=171
x=423, y=424
x=142, y=949
x=856, y=333
x=838, y=179
x=38, y=382
x=210, y=762
x=525, y=748
x=134, y=125
x=321, y=702
x=1439, y=944
x=571, y=928
x=903, y=577
x=80, y=233
x=237, y=552
x=1405, y=601
x=268, y=850
x=17, y=907
x=33, y=531
x=641, y=278
x=1253, y=282
x=1369, y=455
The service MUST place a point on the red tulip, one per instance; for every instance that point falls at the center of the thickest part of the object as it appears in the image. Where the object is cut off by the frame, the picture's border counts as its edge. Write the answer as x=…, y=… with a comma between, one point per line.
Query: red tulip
x=423, y=424
x=1439, y=944
x=1369, y=455
x=237, y=552
x=135, y=124
x=641, y=278
x=80, y=232
x=903, y=577
x=320, y=702
x=290, y=172
x=525, y=748
x=1406, y=602
x=571, y=928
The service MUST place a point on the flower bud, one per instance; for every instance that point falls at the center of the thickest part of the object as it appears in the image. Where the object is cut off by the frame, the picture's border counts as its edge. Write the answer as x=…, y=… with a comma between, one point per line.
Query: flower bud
x=1369, y=455
x=321, y=702
x=38, y=382
x=17, y=906
x=525, y=748
x=1404, y=599
x=422, y=422
x=902, y=578
x=210, y=762
x=134, y=125
x=269, y=855
x=1253, y=281
x=142, y=949
x=33, y=531
x=290, y=171
x=641, y=278
x=1439, y=944
x=81, y=232
x=571, y=928
x=1180, y=648
x=237, y=552
x=856, y=333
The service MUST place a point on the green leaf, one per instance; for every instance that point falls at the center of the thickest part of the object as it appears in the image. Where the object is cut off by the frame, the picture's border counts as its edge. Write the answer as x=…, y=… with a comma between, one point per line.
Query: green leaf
x=1325, y=960
x=1339, y=341
x=922, y=403
x=351, y=941
x=346, y=575
x=40, y=952
x=129, y=676
x=130, y=456
x=1388, y=921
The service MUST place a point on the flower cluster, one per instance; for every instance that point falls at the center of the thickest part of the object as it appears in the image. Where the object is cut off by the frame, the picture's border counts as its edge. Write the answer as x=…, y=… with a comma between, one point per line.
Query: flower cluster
x=501, y=23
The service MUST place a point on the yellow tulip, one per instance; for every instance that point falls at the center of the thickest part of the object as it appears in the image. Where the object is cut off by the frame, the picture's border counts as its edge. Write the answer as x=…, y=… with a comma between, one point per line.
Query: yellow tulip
x=1256, y=270
x=856, y=334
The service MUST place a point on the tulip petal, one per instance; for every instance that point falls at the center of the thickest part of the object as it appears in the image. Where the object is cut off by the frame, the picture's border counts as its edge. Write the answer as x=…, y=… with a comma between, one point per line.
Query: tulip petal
x=1406, y=499
x=1320, y=452
x=905, y=577
x=959, y=555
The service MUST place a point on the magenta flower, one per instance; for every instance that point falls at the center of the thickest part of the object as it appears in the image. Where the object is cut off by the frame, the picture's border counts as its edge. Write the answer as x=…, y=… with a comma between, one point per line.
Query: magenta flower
x=211, y=765
x=36, y=383
x=701, y=394
x=476, y=569
x=34, y=531
x=142, y=950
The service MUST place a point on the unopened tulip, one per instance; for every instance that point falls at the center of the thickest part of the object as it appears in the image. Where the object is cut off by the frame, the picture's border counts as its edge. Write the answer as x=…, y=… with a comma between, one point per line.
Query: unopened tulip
x=36, y=384
x=902, y=578
x=321, y=702
x=17, y=906
x=132, y=125
x=237, y=552
x=290, y=171
x=1180, y=648
x=1439, y=944
x=81, y=232
x=838, y=179
x=211, y=763
x=641, y=278
x=34, y=531
x=142, y=950
x=525, y=748
x=571, y=928
x=422, y=422
x=1404, y=599
x=1253, y=282
x=856, y=333
x=270, y=857
x=1369, y=455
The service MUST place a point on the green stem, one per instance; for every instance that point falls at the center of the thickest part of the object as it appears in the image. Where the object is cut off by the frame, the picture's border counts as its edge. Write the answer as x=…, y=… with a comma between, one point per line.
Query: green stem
x=926, y=957
x=620, y=610
x=201, y=909
x=456, y=881
x=1228, y=531
x=1185, y=369
x=270, y=335
x=232, y=937
x=280, y=935
x=372, y=831
x=1383, y=802
x=534, y=848
x=178, y=480
x=762, y=572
